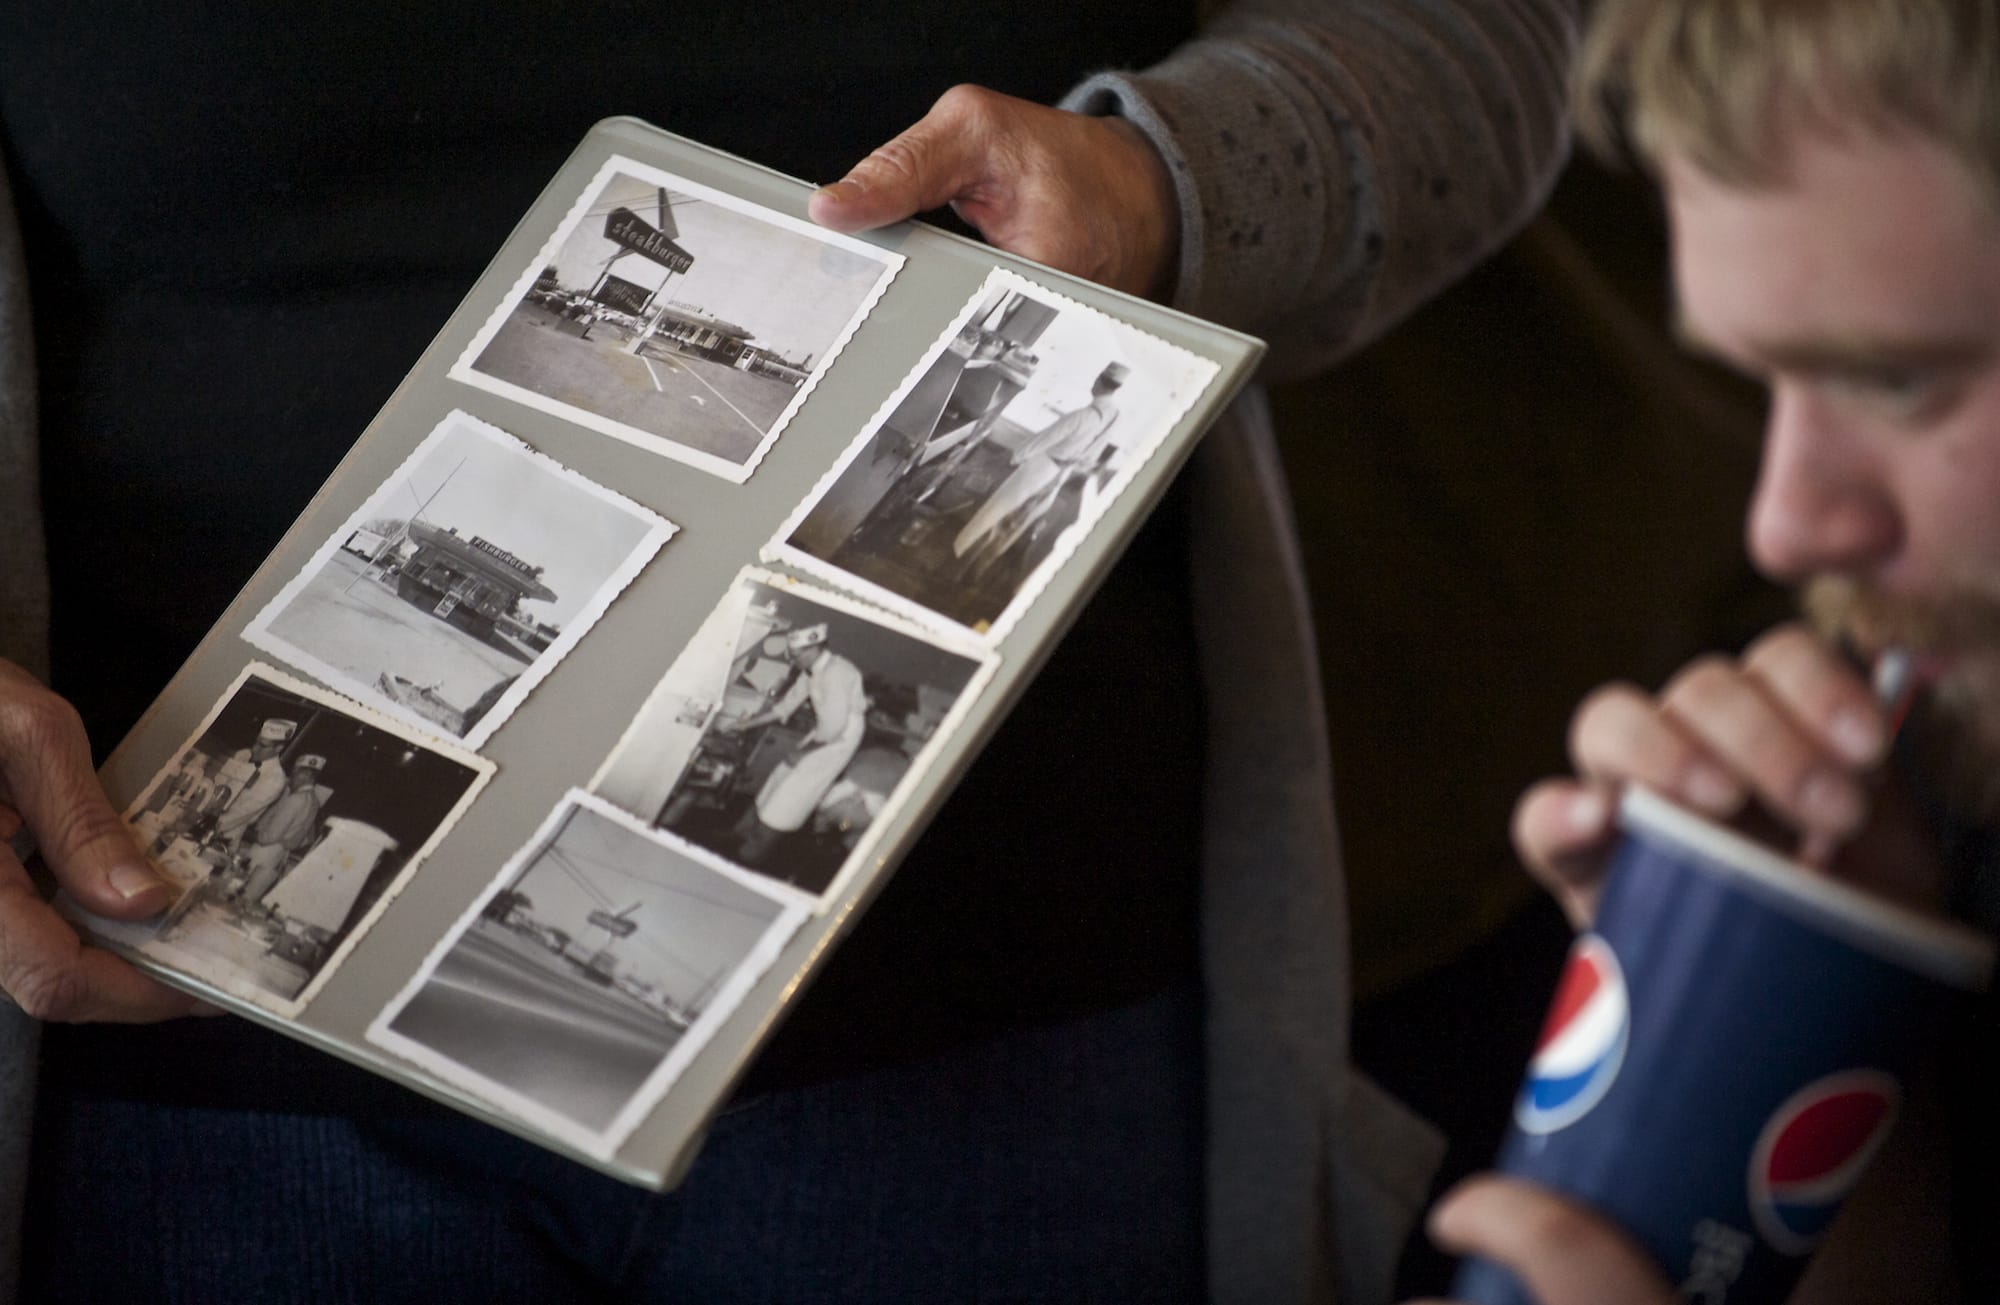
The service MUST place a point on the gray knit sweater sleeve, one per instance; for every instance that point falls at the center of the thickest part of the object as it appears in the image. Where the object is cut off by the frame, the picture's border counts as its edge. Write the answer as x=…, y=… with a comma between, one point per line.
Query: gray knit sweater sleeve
x=1338, y=162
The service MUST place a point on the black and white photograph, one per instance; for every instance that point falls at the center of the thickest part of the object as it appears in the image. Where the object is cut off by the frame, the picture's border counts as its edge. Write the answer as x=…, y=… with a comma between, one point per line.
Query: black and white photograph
x=687, y=321
x=589, y=974
x=461, y=582
x=994, y=458
x=288, y=822
x=787, y=729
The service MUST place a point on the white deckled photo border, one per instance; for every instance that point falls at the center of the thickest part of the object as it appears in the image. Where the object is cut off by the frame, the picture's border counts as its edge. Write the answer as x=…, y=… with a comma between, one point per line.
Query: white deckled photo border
x=465, y=372
x=656, y=530
x=790, y=913
x=722, y=626
x=1184, y=375
x=136, y=938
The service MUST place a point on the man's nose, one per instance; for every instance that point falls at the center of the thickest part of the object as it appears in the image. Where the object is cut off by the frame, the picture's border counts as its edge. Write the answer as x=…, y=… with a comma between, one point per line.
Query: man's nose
x=1823, y=502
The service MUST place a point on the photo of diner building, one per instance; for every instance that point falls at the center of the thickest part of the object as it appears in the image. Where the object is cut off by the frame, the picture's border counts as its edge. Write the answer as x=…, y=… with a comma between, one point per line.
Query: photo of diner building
x=459, y=583
x=678, y=319
x=471, y=583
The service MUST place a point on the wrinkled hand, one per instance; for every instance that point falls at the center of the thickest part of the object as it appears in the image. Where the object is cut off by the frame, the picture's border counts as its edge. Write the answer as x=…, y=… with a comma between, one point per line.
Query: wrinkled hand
x=46, y=783
x=1788, y=732
x=1563, y=1253
x=1088, y=196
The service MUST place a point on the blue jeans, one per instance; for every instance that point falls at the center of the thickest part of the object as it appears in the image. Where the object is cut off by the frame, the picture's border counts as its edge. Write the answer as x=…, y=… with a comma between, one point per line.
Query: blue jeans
x=1057, y=1164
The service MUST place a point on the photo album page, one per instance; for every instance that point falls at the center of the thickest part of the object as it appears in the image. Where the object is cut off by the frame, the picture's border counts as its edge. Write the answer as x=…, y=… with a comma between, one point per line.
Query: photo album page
x=636, y=638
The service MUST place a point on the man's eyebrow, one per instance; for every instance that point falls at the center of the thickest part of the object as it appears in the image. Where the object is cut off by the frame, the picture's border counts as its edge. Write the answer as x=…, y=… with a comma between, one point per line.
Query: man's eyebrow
x=1857, y=354
x=1842, y=353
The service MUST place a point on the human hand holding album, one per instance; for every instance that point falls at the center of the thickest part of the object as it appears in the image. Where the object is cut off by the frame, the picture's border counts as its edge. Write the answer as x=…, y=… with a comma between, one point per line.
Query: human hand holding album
x=1089, y=196
x=47, y=786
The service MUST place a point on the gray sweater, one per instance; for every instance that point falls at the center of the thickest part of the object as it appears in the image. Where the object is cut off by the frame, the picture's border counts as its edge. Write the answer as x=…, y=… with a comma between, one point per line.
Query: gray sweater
x=1336, y=163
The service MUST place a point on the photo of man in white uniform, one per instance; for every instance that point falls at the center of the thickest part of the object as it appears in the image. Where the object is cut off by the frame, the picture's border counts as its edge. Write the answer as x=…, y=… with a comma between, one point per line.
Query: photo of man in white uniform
x=1066, y=445
x=799, y=784
x=284, y=828
x=257, y=777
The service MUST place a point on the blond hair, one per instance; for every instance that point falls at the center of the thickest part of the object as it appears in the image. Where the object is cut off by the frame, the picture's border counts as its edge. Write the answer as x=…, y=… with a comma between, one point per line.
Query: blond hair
x=1724, y=83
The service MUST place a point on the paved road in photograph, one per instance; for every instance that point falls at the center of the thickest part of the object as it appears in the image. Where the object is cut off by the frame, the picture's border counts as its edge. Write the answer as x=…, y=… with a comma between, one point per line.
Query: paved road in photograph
x=693, y=402
x=356, y=624
x=548, y=1034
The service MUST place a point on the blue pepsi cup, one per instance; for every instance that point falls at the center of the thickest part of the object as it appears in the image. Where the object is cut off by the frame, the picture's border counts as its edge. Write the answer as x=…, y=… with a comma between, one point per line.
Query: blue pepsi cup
x=1724, y=1053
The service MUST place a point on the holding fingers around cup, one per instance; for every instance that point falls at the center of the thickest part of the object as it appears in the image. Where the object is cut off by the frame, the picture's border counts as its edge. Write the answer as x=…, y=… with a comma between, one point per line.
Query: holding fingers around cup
x=1786, y=742
x=1562, y=1251
x=48, y=790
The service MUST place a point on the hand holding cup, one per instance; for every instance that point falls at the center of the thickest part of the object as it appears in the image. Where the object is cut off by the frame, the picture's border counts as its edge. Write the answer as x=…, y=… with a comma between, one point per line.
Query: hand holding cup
x=1790, y=734
x=1728, y=1045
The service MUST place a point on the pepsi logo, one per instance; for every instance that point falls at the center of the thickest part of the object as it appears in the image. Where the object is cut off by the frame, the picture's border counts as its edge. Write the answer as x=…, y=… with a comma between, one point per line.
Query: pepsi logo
x=1813, y=1151
x=1582, y=1043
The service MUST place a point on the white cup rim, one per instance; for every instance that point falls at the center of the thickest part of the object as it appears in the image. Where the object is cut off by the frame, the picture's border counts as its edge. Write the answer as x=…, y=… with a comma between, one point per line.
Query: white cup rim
x=1948, y=952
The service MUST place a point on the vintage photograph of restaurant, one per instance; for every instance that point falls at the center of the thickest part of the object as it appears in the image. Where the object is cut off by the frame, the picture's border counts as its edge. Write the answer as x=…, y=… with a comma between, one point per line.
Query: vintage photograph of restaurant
x=790, y=724
x=588, y=975
x=682, y=319
x=287, y=822
x=462, y=581
x=999, y=452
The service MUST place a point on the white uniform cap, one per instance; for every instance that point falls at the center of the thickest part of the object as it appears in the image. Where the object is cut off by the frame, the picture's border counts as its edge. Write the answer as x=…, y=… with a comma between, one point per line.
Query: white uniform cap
x=1114, y=373
x=809, y=637
x=309, y=761
x=277, y=731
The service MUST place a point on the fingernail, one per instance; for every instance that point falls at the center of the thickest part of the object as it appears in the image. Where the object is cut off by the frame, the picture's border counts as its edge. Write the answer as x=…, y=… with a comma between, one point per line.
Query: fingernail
x=1586, y=813
x=1856, y=736
x=1709, y=788
x=843, y=190
x=1828, y=801
x=131, y=881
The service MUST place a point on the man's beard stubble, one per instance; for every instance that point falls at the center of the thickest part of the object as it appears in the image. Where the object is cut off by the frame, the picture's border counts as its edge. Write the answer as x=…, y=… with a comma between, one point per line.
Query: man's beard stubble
x=1956, y=646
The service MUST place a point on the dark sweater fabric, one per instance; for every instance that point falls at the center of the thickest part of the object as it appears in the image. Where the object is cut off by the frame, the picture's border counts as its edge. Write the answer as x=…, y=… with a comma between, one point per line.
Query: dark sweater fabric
x=243, y=225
